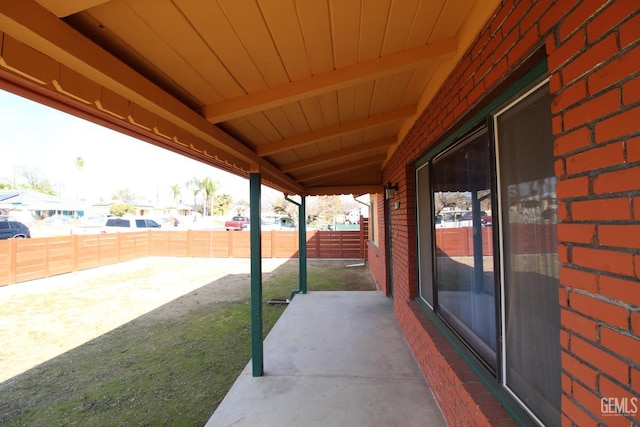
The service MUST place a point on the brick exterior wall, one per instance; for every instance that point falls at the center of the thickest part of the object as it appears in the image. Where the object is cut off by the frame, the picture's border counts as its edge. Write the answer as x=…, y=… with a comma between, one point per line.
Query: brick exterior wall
x=376, y=255
x=593, y=54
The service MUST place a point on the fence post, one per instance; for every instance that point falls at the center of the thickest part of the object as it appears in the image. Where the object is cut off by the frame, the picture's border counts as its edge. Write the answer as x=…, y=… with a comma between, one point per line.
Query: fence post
x=361, y=237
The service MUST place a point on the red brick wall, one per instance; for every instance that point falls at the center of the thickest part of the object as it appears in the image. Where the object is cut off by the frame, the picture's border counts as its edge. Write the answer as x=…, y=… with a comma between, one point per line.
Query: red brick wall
x=594, y=61
x=376, y=254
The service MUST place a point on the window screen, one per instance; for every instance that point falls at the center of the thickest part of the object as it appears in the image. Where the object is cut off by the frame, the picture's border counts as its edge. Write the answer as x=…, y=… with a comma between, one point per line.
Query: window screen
x=529, y=253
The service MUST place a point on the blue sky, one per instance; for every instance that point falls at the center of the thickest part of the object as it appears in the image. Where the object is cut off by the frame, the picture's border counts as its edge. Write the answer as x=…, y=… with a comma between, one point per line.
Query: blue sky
x=34, y=136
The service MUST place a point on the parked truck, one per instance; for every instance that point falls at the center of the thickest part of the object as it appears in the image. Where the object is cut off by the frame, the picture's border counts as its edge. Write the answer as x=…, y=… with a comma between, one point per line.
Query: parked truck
x=237, y=223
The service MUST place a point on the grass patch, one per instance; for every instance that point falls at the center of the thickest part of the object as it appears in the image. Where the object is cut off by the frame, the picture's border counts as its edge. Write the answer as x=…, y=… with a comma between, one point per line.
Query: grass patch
x=166, y=371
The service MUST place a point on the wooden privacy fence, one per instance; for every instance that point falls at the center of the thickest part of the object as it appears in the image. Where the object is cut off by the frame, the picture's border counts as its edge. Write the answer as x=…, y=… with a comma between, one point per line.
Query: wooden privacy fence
x=29, y=259
x=525, y=239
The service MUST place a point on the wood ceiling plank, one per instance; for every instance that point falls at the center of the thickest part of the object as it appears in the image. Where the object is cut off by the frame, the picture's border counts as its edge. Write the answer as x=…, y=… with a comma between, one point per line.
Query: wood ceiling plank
x=345, y=29
x=285, y=157
x=266, y=128
x=358, y=137
x=176, y=33
x=364, y=93
x=297, y=118
x=425, y=19
x=278, y=118
x=329, y=104
x=328, y=82
x=419, y=81
x=282, y=19
x=245, y=16
x=306, y=151
x=325, y=133
x=381, y=92
x=401, y=16
x=399, y=89
x=336, y=155
x=345, y=189
x=347, y=104
x=375, y=16
x=245, y=130
x=365, y=175
x=347, y=141
x=120, y=19
x=378, y=132
x=209, y=21
x=329, y=145
x=313, y=113
x=316, y=29
x=358, y=164
x=450, y=21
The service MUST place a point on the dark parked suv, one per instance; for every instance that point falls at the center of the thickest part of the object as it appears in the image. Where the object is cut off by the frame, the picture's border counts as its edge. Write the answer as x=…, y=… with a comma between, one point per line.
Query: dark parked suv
x=13, y=229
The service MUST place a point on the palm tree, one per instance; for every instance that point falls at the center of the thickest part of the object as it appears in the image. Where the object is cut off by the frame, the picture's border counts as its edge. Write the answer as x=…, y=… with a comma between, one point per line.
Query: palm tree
x=79, y=162
x=175, y=191
x=209, y=188
x=195, y=185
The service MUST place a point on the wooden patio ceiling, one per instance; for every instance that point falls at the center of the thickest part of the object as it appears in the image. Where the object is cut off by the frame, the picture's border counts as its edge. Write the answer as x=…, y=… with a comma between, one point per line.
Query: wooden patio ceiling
x=316, y=94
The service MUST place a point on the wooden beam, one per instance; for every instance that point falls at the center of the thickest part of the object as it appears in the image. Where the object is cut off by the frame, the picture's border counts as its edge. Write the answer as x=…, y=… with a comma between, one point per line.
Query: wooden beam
x=335, y=155
x=66, y=8
x=333, y=131
x=341, y=168
x=347, y=189
x=328, y=82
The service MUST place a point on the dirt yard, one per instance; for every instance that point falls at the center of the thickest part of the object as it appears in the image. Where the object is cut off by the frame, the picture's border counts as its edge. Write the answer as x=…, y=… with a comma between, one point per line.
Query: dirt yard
x=44, y=318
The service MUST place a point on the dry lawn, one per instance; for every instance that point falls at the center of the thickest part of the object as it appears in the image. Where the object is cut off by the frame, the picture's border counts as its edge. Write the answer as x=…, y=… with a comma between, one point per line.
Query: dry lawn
x=156, y=341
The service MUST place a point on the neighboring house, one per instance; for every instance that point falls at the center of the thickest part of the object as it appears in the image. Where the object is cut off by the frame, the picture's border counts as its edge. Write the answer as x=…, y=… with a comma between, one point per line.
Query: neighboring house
x=142, y=208
x=39, y=205
x=179, y=210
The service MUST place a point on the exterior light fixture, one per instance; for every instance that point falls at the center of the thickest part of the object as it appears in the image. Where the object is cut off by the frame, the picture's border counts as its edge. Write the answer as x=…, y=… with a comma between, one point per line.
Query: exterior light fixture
x=390, y=190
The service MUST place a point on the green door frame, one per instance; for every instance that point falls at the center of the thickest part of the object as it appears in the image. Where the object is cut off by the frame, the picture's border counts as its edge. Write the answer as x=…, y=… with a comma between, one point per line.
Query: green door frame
x=389, y=246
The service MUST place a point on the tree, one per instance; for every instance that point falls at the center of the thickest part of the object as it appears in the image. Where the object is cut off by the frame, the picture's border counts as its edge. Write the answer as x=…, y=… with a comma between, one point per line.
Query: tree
x=122, y=208
x=221, y=204
x=79, y=162
x=279, y=205
x=209, y=188
x=242, y=207
x=449, y=199
x=124, y=194
x=175, y=191
x=195, y=185
x=35, y=181
x=206, y=186
x=324, y=208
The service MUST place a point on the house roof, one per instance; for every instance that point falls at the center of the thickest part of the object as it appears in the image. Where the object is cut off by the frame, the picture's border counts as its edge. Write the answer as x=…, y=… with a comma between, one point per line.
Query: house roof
x=316, y=95
x=33, y=200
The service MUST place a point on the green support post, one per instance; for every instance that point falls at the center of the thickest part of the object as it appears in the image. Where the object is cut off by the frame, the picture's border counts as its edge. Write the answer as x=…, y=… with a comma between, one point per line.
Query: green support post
x=257, y=355
x=302, y=246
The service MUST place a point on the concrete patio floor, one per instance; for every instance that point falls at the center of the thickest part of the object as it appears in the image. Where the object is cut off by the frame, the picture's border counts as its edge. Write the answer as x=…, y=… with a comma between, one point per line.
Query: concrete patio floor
x=333, y=359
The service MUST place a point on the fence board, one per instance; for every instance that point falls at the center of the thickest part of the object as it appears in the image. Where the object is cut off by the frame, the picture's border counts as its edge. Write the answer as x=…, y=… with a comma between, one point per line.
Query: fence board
x=7, y=261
